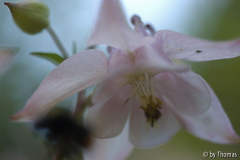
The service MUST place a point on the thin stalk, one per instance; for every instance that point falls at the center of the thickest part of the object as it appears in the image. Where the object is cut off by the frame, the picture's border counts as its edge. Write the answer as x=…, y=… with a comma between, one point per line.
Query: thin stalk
x=80, y=105
x=57, y=41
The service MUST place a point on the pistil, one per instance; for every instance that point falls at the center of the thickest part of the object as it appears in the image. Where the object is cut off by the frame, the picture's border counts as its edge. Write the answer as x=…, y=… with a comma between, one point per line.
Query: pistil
x=144, y=89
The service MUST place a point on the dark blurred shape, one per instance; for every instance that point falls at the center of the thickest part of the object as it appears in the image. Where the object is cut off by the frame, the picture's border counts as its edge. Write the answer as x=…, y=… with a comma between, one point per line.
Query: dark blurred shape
x=64, y=132
x=198, y=51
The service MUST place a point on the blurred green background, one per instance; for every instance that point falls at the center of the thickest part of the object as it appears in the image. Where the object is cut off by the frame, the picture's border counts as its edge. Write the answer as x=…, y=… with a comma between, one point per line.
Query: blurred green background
x=213, y=20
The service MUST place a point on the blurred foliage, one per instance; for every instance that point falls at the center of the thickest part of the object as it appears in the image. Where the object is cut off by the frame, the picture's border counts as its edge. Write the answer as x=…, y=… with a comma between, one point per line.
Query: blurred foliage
x=51, y=57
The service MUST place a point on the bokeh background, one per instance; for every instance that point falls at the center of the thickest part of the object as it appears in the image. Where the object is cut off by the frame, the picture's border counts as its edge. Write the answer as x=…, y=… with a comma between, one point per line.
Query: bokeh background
x=73, y=21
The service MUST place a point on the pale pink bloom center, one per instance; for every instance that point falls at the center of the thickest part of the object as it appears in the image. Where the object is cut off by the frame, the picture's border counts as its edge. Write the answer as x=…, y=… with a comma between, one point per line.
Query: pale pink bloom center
x=143, y=85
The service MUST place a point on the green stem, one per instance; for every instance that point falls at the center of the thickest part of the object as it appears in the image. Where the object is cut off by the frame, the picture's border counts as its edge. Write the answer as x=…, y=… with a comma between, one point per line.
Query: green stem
x=57, y=41
x=81, y=106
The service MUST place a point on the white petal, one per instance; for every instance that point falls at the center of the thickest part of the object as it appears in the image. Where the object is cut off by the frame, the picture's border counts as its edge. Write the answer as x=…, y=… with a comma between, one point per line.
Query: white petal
x=117, y=148
x=148, y=60
x=120, y=65
x=112, y=28
x=77, y=73
x=213, y=126
x=143, y=135
x=179, y=46
x=107, y=119
x=188, y=92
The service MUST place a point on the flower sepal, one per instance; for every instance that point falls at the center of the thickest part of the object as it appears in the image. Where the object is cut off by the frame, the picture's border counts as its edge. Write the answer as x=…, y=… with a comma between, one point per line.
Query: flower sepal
x=30, y=16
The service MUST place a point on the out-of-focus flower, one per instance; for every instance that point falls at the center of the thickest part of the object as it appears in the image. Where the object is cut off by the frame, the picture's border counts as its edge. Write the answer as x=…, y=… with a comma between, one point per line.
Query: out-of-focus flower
x=117, y=148
x=142, y=76
x=67, y=137
x=6, y=56
x=30, y=15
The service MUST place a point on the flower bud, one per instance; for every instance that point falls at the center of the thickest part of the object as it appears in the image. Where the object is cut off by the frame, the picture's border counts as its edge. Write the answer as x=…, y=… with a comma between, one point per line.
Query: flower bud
x=31, y=16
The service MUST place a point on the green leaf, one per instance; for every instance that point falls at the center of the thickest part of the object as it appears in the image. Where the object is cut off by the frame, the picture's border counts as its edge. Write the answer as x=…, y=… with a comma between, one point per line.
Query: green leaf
x=51, y=57
x=74, y=47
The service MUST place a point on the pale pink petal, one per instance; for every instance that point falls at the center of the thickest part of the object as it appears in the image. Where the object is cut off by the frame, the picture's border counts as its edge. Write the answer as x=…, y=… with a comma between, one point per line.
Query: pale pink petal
x=117, y=148
x=179, y=46
x=148, y=60
x=188, y=92
x=120, y=59
x=120, y=65
x=109, y=86
x=143, y=135
x=112, y=28
x=6, y=56
x=213, y=126
x=77, y=73
x=107, y=119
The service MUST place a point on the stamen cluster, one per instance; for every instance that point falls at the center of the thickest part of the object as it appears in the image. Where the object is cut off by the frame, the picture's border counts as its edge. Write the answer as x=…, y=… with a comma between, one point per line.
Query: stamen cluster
x=144, y=89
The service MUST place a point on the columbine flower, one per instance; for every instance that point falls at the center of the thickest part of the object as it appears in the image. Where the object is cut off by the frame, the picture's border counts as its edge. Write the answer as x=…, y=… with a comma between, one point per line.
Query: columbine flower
x=142, y=76
x=165, y=98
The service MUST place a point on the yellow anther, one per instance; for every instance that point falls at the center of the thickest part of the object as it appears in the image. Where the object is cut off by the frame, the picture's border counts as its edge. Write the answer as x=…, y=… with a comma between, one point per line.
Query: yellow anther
x=141, y=78
x=143, y=96
x=149, y=103
x=159, y=101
